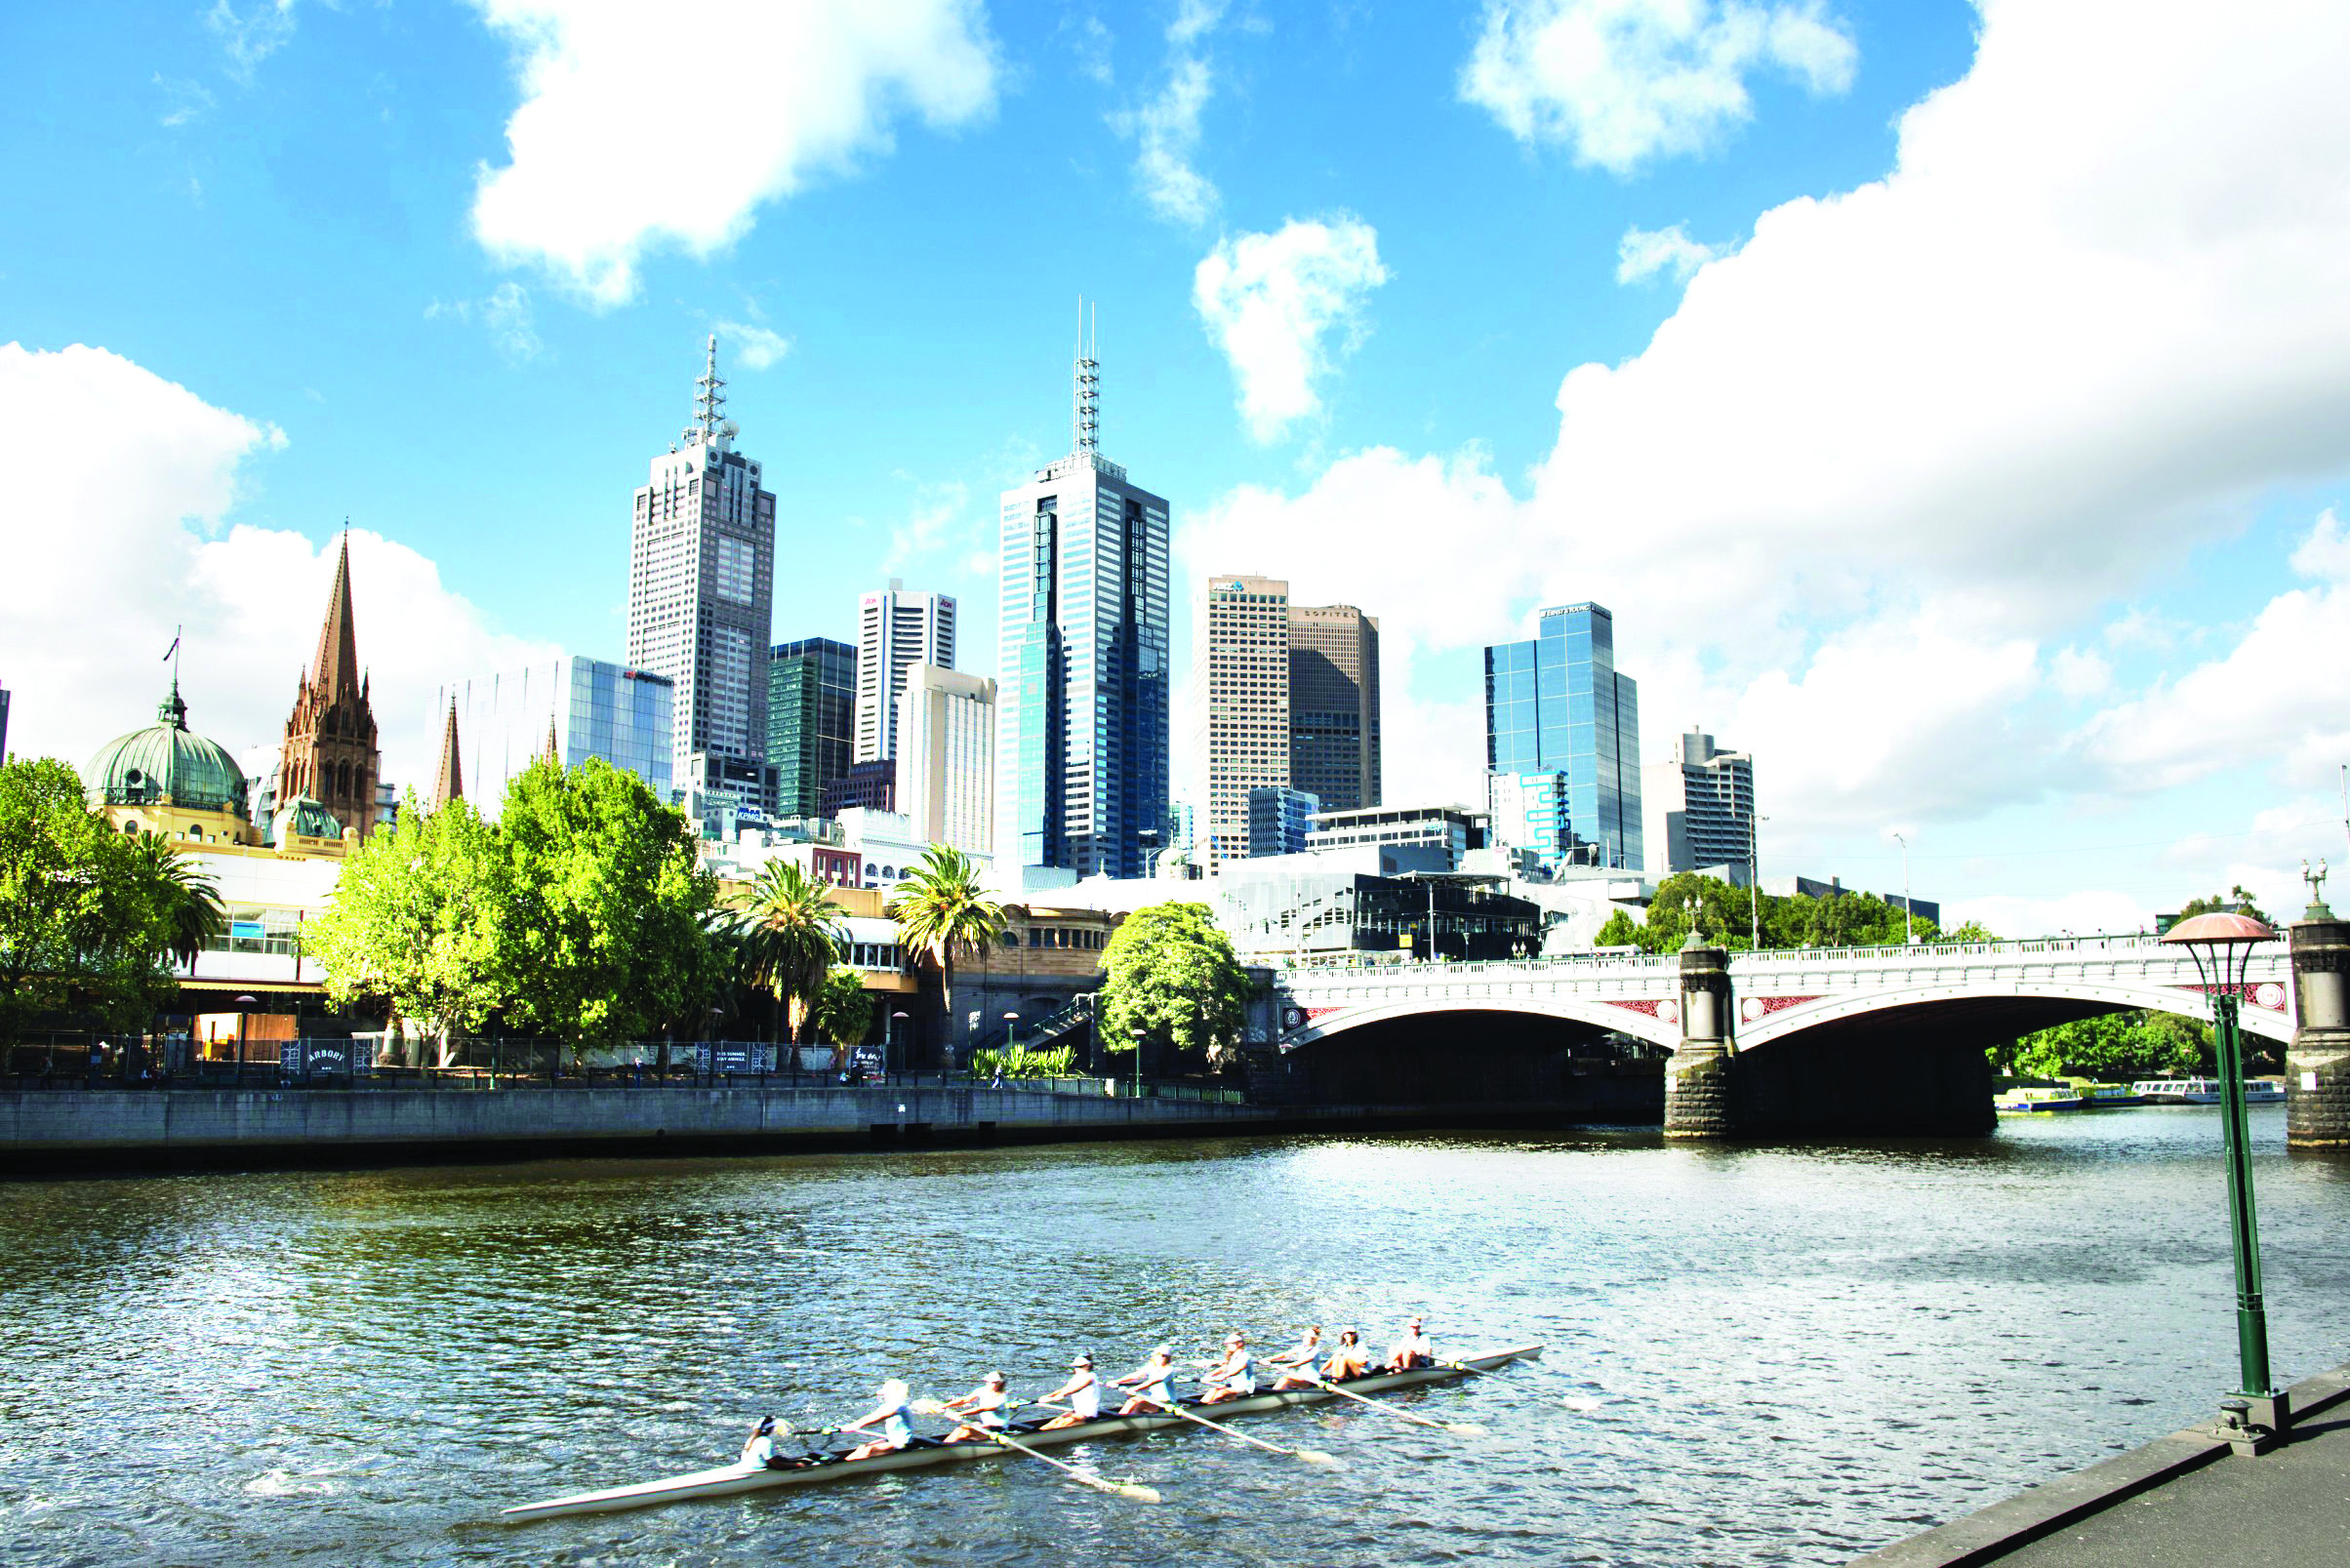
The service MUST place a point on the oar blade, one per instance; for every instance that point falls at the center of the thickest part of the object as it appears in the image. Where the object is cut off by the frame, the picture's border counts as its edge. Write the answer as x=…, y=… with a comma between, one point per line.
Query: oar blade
x=1137, y=1492
x=1315, y=1455
x=1464, y=1429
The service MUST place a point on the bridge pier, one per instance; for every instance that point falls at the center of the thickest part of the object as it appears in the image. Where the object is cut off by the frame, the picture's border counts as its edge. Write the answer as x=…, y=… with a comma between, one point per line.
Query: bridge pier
x=1697, y=1080
x=2317, y=1063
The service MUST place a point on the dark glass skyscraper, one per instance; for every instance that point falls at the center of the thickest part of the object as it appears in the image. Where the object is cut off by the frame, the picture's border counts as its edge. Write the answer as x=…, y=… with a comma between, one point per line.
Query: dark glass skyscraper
x=1556, y=705
x=811, y=714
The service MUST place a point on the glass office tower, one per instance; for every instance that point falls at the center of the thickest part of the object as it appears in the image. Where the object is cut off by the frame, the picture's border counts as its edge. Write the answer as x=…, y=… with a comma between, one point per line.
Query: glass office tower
x=811, y=710
x=1557, y=703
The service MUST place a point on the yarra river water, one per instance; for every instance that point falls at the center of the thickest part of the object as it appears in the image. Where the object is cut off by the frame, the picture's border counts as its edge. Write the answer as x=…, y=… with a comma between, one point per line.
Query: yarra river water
x=1755, y=1356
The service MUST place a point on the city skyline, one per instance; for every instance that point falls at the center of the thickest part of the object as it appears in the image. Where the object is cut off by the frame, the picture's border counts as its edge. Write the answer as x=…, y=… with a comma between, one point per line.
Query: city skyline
x=2044, y=652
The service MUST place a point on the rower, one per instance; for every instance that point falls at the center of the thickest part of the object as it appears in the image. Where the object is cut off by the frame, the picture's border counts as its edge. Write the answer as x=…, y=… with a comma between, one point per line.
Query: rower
x=758, y=1450
x=1348, y=1359
x=894, y=1416
x=1082, y=1390
x=1297, y=1366
x=1154, y=1384
x=1232, y=1378
x=1411, y=1350
x=985, y=1405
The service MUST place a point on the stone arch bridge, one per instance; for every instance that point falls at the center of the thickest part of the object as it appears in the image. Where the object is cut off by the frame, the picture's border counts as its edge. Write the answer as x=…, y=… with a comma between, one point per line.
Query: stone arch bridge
x=1863, y=1040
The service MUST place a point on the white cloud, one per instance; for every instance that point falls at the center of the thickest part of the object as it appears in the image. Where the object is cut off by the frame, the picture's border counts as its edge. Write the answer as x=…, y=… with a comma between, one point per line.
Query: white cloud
x=2079, y=672
x=2096, y=911
x=1625, y=81
x=252, y=35
x=146, y=552
x=632, y=137
x=939, y=516
x=755, y=347
x=1090, y=44
x=504, y=314
x=1273, y=302
x=1166, y=129
x=1642, y=252
x=190, y=101
x=1909, y=442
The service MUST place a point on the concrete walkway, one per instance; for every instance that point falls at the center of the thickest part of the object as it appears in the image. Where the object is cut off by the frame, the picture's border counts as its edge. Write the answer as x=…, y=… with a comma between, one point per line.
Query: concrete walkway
x=2185, y=1499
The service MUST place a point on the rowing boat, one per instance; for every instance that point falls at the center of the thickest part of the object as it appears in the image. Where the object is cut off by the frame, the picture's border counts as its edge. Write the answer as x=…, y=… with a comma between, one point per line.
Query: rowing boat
x=732, y=1479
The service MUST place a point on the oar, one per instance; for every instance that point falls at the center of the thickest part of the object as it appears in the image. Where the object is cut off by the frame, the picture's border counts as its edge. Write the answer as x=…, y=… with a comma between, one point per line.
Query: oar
x=1126, y=1489
x=1312, y=1456
x=1464, y=1429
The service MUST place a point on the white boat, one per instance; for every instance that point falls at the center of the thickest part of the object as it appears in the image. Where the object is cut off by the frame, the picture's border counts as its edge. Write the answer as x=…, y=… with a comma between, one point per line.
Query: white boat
x=2205, y=1090
x=733, y=1480
x=2029, y=1102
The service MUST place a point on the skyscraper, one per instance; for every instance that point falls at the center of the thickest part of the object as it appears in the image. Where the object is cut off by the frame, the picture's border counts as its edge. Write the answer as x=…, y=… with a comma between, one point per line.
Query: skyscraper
x=811, y=719
x=1334, y=705
x=1241, y=734
x=895, y=632
x=1556, y=705
x=947, y=757
x=701, y=586
x=585, y=707
x=1700, y=809
x=1081, y=717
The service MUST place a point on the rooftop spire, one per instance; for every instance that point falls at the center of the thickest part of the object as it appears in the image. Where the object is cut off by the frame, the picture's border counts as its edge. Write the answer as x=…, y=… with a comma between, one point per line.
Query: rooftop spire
x=336, y=668
x=449, y=779
x=710, y=404
x=1085, y=391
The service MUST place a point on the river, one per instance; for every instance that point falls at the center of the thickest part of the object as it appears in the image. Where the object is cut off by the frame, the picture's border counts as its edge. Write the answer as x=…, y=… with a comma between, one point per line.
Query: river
x=1768, y=1356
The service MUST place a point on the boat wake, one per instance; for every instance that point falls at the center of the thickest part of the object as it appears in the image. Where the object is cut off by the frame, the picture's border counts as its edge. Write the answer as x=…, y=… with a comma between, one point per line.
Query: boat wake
x=285, y=1483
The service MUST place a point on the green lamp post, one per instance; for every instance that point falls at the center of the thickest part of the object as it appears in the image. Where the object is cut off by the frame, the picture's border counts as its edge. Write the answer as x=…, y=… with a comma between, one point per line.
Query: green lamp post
x=2221, y=946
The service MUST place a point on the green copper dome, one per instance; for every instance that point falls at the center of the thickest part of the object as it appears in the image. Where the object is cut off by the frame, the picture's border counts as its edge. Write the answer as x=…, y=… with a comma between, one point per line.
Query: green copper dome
x=167, y=765
x=304, y=815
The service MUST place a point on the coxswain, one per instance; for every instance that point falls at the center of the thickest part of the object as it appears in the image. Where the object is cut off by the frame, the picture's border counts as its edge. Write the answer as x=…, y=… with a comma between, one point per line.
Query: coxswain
x=984, y=1405
x=893, y=1414
x=1411, y=1350
x=1347, y=1357
x=1297, y=1365
x=1232, y=1378
x=1153, y=1382
x=1082, y=1390
x=759, y=1449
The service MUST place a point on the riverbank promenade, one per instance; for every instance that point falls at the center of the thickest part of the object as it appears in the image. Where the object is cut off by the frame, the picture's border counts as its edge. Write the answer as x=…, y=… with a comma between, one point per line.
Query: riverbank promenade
x=2188, y=1499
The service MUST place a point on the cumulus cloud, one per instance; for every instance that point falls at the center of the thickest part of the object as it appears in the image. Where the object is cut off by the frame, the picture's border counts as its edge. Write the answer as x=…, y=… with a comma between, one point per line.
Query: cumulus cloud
x=147, y=552
x=1623, y=81
x=1642, y=252
x=1907, y=443
x=1166, y=128
x=1282, y=306
x=755, y=347
x=631, y=136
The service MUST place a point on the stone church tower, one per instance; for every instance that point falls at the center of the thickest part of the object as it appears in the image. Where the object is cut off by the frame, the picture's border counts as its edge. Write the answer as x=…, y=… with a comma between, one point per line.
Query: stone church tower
x=330, y=752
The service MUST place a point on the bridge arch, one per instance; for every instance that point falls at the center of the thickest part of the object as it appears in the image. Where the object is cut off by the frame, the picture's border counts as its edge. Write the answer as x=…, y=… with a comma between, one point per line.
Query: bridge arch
x=1603, y=1016
x=2026, y=1004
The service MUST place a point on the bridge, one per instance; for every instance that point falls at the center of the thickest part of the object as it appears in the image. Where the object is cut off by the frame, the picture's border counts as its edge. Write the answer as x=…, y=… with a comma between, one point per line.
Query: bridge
x=1870, y=1040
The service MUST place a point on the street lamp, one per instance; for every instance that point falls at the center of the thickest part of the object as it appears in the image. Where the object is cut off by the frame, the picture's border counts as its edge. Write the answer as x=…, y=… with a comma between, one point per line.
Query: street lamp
x=244, y=1005
x=1138, y=1061
x=2222, y=948
x=889, y=1044
x=1908, y=937
x=1754, y=874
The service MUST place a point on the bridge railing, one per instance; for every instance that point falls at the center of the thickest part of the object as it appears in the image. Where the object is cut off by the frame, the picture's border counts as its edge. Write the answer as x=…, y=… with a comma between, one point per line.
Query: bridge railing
x=2131, y=942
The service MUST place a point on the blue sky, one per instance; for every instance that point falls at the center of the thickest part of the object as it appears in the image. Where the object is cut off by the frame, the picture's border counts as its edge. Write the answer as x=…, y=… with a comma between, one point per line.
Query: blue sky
x=1947, y=474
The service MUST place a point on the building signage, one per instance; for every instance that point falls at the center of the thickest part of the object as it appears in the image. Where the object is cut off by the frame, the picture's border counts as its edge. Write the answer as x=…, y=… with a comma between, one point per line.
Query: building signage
x=246, y=931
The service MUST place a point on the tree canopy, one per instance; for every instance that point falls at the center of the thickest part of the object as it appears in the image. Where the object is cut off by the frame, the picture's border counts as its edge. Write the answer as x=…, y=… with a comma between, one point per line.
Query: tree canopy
x=789, y=933
x=2238, y=901
x=1724, y=915
x=2116, y=1046
x=87, y=917
x=942, y=909
x=1171, y=973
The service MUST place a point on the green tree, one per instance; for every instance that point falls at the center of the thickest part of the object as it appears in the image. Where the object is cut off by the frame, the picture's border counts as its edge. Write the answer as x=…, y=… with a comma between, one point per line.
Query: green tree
x=603, y=930
x=842, y=1011
x=2115, y=1046
x=942, y=909
x=789, y=933
x=190, y=899
x=1620, y=931
x=418, y=920
x=1968, y=931
x=1171, y=973
x=2238, y=901
x=82, y=921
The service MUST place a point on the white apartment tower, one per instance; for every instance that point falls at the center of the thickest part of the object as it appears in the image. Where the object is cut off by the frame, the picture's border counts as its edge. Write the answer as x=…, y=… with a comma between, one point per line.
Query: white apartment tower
x=947, y=757
x=896, y=630
x=1700, y=810
x=701, y=586
x=1240, y=736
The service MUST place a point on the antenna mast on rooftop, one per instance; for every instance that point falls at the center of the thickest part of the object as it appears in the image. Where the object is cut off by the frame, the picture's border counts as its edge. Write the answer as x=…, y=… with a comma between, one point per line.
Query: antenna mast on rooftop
x=1085, y=415
x=709, y=403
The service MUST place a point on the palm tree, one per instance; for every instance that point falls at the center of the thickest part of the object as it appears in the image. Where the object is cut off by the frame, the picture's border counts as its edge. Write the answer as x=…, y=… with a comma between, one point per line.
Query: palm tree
x=190, y=896
x=939, y=907
x=788, y=936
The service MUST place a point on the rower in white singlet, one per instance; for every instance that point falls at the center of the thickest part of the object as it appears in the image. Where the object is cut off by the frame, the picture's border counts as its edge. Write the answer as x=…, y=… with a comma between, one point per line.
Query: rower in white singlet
x=893, y=1414
x=1347, y=1357
x=1232, y=1378
x=1153, y=1382
x=1297, y=1365
x=760, y=1448
x=1082, y=1392
x=985, y=1406
x=1411, y=1350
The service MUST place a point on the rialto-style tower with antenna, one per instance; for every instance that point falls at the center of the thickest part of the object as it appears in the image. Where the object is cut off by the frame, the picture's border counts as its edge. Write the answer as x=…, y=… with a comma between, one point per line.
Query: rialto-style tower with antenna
x=1082, y=711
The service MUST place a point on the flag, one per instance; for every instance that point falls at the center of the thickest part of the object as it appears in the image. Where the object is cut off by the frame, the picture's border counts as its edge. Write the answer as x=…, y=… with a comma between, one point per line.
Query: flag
x=173, y=648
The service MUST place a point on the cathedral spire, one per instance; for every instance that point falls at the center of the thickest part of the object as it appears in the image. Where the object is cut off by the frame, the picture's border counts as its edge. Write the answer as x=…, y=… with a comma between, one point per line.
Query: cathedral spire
x=554, y=752
x=335, y=670
x=448, y=780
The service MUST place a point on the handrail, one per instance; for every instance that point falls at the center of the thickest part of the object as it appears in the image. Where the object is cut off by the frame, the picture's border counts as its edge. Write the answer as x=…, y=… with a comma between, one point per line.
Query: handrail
x=1923, y=951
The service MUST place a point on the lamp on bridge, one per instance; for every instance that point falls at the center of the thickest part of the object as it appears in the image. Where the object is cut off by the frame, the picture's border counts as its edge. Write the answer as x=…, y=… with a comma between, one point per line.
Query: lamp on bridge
x=2221, y=946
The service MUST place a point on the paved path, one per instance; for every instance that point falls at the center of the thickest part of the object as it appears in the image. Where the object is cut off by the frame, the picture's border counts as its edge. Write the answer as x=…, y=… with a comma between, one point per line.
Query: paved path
x=2289, y=1509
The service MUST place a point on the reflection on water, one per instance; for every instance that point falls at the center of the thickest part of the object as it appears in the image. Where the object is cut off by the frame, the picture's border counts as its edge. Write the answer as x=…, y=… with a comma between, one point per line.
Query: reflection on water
x=1755, y=1356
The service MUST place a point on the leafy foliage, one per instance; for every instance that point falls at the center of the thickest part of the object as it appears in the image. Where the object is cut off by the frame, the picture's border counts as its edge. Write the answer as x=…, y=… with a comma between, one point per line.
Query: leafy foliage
x=2118, y=1047
x=415, y=919
x=942, y=909
x=1022, y=1063
x=842, y=1010
x=789, y=935
x=191, y=899
x=2238, y=901
x=1171, y=973
x=1723, y=916
x=85, y=919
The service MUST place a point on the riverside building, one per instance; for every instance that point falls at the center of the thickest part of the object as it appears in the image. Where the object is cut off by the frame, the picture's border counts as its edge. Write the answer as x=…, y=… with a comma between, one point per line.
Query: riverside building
x=1700, y=811
x=1334, y=705
x=896, y=630
x=946, y=782
x=701, y=587
x=1556, y=704
x=1241, y=734
x=811, y=720
x=1081, y=715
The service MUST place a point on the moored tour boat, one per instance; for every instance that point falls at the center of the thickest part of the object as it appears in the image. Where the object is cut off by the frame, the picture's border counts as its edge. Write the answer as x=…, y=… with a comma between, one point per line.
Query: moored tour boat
x=2024, y=1101
x=2205, y=1090
x=733, y=1480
